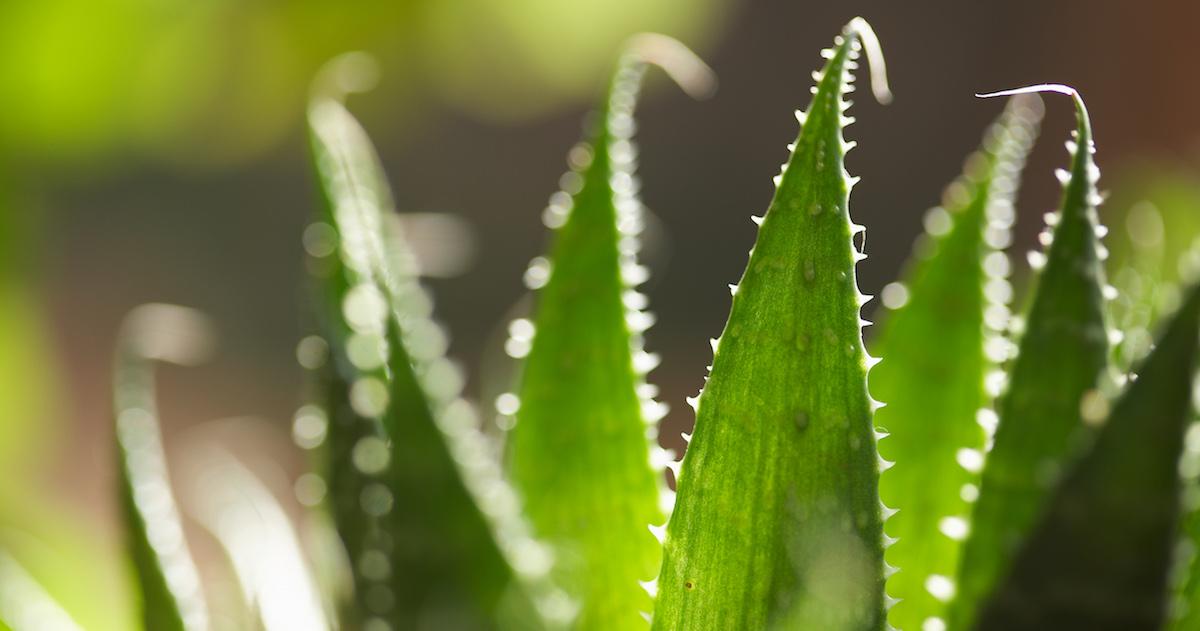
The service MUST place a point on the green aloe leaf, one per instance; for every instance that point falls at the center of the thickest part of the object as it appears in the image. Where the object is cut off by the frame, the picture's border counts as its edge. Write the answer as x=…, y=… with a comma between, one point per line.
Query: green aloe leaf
x=938, y=342
x=1184, y=603
x=1052, y=387
x=168, y=582
x=582, y=389
x=25, y=604
x=1099, y=557
x=257, y=536
x=26, y=372
x=433, y=531
x=48, y=536
x=778, y=522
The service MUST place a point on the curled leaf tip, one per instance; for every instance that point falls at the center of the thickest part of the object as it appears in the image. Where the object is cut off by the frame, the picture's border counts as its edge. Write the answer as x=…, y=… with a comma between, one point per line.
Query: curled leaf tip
x=349, y=73
x=680, y=63
x=169, y=333
x=1056, y=88
x=1032, y=89
x=861, y=29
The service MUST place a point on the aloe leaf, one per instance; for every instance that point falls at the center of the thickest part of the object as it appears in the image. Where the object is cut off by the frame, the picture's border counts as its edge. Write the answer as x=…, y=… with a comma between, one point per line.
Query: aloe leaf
x=58, y=548
x=436, y=534
x=1184, y=603
x=938, y=341
x=24, y=603
x=258, y=537
x=1052, y=387
x=167, y=579
x=26, y=373
x=582, y=389
x=778, y=522
x=1183, y=611
x=1099, y=556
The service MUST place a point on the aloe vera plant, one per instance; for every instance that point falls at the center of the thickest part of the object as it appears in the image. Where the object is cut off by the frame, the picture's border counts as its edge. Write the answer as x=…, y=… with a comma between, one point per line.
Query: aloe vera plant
x=1068, y=572
x=942, y=337
x=169, y=584
x=434, y=531
x=582, y=388
x=1036, y=487
x=778, y=520
x=1053, y=382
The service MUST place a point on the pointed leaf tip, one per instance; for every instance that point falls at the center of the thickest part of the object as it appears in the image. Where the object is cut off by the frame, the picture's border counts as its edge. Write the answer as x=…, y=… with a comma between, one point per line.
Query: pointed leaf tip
x=860, y=28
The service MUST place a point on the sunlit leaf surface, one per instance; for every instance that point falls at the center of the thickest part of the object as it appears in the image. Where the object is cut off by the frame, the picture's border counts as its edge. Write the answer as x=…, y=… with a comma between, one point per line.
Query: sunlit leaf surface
x=939, y=338
x=432, y=530
x=778, y=522
x=1053, y=384
x=169, y=584
x=583, y=453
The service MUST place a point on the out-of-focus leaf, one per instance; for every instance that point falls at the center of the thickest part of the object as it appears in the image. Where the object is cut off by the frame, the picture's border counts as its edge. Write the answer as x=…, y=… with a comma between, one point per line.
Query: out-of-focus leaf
x=435, y=536
x=1183, y=607
x=1143, y=265
x=938, y=343
x=168, y=582
x=25, y=605
x=778, y=521
x=1053, y=384
x=26, y=376
x=263, y=548
x=1099, y=556
x=57, y=546
x=582, y=390
x=207, y=84
x=561, y=47
x=1143, y=204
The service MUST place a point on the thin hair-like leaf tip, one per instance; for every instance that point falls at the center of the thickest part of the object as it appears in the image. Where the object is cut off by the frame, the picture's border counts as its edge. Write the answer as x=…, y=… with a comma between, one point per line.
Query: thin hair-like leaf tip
x=861, y=29
x=1031, y=89
x=1056, y=88
x=684, y=66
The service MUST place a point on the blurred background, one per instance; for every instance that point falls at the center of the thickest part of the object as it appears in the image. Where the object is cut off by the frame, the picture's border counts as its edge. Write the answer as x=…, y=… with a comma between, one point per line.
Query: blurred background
x=154, y=150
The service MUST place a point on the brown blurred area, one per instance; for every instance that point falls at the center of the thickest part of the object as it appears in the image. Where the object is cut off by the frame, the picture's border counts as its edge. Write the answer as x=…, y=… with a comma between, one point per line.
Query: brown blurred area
x=226, y=240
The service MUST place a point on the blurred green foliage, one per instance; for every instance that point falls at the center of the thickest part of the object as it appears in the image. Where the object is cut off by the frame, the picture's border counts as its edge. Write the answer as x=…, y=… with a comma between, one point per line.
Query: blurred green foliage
x=54, y=545
x=215, y=83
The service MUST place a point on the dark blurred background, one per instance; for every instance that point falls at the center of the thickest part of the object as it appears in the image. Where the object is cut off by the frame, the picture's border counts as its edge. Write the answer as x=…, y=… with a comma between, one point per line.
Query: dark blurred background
x=153, y=150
